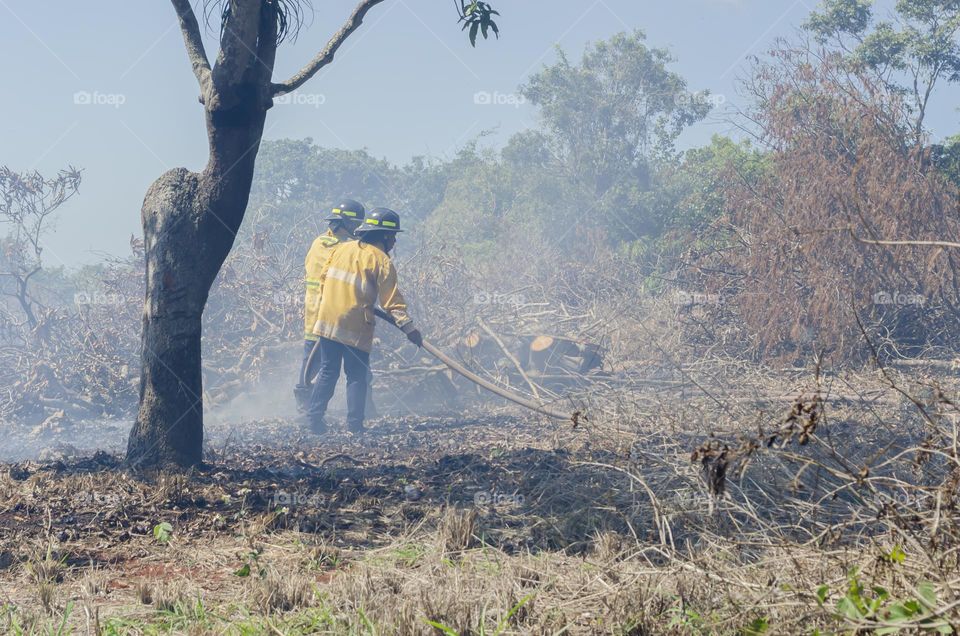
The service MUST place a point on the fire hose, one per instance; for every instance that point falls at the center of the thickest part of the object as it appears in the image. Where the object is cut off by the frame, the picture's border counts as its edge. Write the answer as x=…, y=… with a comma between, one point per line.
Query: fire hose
x=462, y=370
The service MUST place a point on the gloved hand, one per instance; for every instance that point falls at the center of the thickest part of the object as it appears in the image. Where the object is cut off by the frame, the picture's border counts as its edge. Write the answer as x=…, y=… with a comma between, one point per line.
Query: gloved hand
x=415, y=337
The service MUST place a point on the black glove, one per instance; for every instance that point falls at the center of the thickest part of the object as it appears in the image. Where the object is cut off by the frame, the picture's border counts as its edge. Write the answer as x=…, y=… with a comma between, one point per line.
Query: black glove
x=415, y=337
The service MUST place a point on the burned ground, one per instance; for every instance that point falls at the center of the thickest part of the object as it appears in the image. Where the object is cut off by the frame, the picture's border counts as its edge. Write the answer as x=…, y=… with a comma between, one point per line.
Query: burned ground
x=492, y=521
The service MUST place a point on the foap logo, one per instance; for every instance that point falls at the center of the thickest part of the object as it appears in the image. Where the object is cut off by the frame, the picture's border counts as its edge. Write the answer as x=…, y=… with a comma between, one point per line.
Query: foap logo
x=496, y=98
x=703, y=98
x=688, y=299
x=287, y=299
x=94, y=498
x=909, y=500
x=896, y=298
x=487, y=498
x=690, y=501
x=284, y=499
x=487, y=298
x=98, y=299
x=96, y=98
x=297, y=98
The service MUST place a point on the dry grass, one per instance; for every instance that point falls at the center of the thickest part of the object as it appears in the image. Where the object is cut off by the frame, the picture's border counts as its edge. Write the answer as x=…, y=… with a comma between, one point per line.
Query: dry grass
x=608, y=528
x=280, y=590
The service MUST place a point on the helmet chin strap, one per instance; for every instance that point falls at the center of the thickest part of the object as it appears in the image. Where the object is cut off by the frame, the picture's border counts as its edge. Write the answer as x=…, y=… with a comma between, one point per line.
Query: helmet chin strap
x=392, y=240
x=383, y=246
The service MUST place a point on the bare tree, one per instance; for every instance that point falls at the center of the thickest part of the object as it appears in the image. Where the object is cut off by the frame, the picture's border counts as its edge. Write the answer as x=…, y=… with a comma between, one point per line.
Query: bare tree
x=28, y=202
x=190, y=220
x=842, y=163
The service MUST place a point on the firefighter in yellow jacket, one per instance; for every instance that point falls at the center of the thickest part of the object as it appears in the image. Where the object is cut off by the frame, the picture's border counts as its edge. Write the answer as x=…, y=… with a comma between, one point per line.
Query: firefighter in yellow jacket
x=344, y=218
x=358, y=277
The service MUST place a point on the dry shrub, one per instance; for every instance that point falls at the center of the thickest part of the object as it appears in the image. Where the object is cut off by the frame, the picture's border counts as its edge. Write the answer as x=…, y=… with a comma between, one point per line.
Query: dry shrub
x=45, y=566
x=167, y=596
x=843, y=163
x=47, y=596
x=281, y=591
x=144, y=592
x=94, y=583
x=607, y=546
x=458, y=530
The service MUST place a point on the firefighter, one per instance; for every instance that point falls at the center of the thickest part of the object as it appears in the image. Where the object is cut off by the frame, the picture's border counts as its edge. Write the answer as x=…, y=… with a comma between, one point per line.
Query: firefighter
x=343, y=219
x=358, y=277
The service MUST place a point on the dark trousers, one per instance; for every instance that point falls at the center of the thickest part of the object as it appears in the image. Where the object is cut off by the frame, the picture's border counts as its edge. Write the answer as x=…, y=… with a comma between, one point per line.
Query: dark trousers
x=356, y=366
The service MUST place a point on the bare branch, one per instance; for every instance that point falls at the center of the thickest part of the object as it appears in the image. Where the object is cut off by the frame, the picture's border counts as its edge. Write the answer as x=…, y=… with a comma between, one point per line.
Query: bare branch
x=193, y=43
x=850, y=230
x=325, y=56
x=921, y=243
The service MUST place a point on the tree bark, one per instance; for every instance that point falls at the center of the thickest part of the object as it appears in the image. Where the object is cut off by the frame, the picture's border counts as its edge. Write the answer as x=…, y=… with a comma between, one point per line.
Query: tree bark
x=189, y=221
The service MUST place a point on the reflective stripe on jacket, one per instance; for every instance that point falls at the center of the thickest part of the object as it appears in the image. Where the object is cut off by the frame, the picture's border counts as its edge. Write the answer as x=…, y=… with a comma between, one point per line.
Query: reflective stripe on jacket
x=316, y=258
x=357, y=278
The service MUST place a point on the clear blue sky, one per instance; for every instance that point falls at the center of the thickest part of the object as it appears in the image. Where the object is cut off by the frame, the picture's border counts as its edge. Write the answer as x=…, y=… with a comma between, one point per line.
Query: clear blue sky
x=403, y=85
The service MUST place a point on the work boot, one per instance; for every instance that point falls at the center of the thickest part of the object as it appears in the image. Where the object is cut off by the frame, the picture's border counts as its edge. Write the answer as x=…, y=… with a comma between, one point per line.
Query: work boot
x=356, y=427
x=301, y=394
x=318, y=426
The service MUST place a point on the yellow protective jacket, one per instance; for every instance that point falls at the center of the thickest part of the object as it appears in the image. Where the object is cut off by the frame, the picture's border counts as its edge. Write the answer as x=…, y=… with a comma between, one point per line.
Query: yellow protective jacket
x=358, y=276
x=317, y=257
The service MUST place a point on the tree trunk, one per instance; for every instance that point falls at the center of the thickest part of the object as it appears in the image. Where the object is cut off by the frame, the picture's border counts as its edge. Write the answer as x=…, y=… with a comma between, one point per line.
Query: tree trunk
x=190, y=221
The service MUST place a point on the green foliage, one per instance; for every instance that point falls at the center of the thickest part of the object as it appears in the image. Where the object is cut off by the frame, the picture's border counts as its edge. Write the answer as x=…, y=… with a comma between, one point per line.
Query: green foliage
x=251, y=562
x=896, y=555
x=909, y=53
x=687, y=619
x=608, y=115
x=476, y=15
x=757, y=627
x=695, y=191
x=946, y=158
x=841, y=17
x=232, y=620
x=481, y=629
x=601, y=166
x=297, y=182
x=162, y=532
x=885, y=614
x=409, y=555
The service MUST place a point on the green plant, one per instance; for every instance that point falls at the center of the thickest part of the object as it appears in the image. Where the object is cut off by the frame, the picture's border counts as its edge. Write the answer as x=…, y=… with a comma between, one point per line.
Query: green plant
x=252, y=559
x=757, y=627
x=409, y=555
x=48, y=569
x=162, y=532
x=481, y=628
x=366, y=622
x=877, y=608
x=686, y=618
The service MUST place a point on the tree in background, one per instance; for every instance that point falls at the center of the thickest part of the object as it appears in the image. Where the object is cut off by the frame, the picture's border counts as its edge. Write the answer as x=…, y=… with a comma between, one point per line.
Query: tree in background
x=588, y=175
x=28, y=204
x=909, y=54
x=608, y=120
x=688, y=199
x=190, y=220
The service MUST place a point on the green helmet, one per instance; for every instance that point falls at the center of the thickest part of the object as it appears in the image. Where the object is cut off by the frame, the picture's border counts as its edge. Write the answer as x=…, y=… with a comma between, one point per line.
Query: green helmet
x=347, y=210
x=382, y=219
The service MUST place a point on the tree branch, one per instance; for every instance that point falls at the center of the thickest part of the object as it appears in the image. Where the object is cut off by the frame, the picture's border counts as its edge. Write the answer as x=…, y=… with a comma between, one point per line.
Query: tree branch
x=920, y=243
x=325, y=56
x=194, y=44
x=850, y=230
